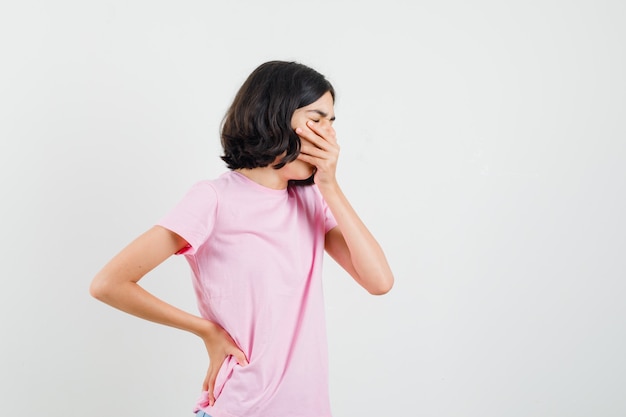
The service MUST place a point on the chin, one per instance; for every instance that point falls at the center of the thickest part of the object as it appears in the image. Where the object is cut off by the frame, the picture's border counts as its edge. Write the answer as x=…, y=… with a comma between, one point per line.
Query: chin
x=305, y=175
x=303, y=171
x=310, y=172
x=299, y=171
x=307, y=181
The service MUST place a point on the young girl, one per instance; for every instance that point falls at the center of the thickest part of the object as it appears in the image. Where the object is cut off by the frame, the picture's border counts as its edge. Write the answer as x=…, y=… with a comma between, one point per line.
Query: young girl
x=254, y=239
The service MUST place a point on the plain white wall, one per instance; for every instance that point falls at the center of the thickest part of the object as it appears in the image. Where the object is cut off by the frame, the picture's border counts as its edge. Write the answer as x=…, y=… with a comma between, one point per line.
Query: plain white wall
x=483, y=143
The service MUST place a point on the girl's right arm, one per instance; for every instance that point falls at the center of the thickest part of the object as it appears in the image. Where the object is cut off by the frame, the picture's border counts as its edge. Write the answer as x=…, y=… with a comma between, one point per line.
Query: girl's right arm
x=117, y=285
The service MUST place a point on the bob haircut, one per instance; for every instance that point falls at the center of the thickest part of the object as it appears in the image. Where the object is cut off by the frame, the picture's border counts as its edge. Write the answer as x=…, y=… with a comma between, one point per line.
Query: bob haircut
x=257, y=127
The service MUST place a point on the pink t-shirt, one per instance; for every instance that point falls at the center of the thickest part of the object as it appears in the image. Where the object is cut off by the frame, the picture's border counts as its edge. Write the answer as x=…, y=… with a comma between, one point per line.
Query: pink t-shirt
x=256, y=260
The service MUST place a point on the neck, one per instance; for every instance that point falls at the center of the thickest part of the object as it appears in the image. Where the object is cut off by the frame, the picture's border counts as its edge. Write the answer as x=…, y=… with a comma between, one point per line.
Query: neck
x=265, y=176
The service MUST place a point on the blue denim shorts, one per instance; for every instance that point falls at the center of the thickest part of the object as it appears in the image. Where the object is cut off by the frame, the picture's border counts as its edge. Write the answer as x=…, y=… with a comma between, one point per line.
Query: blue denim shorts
x=201, y=413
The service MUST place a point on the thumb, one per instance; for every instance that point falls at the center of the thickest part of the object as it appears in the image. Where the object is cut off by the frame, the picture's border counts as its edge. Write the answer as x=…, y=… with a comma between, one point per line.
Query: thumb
x=205, y=383
x=240, y=357
x=211, y=387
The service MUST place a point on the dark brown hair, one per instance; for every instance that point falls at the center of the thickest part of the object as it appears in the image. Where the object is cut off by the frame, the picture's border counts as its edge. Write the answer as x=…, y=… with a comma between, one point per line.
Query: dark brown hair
x=257, y=127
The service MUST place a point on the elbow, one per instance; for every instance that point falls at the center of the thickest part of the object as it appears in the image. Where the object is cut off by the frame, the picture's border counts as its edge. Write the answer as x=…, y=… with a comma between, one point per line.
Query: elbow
x=382, y=287
x=99, y=289
x=96, y=290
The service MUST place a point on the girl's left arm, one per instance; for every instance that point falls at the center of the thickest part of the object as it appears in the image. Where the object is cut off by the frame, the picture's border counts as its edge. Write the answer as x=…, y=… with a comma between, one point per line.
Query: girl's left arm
x=350, y=243
x=353, y=246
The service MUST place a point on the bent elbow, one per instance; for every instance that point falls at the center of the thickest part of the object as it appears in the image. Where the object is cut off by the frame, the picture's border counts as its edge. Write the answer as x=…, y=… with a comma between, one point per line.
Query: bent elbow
x=99, y=289
x=382, y=288
x=95, y=290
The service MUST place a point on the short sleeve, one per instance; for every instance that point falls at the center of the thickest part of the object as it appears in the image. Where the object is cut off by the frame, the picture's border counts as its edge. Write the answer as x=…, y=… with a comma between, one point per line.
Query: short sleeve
x=193, y=217
x=329, y=220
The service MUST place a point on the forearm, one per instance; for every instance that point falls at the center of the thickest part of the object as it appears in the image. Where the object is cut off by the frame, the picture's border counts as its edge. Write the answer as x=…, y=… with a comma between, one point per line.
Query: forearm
x=131, y=298
x=351, y=244
x=371, y=268
x=117, y=283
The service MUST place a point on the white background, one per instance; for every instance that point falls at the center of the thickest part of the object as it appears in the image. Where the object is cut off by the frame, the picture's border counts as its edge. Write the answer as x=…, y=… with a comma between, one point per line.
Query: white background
x=483, y=143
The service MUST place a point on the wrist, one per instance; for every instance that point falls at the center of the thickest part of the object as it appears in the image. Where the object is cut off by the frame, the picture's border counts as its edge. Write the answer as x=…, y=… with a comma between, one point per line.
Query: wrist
x=204, y=328
x=327, y=186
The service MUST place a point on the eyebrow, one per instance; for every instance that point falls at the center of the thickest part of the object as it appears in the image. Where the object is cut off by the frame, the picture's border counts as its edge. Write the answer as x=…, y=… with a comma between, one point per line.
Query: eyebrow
x=321, y=113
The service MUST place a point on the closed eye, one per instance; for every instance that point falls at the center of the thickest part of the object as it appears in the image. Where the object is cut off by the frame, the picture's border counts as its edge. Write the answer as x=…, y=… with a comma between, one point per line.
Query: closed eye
x=322, y=114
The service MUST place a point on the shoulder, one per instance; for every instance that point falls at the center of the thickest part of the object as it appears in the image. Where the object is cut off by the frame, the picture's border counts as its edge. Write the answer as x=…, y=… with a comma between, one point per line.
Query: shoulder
x=215, y=185
x=203, y=189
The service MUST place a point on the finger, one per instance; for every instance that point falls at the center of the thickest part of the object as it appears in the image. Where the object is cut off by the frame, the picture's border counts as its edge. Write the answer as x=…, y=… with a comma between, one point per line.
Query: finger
x=327, y=133
x=319, y=148
x=312, y=138
x=313, y=151
x=329, y=154
x=308, y=159
x=205, y=383
x=240, y=357
x=211, y=386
